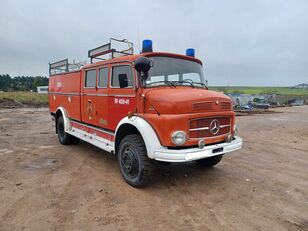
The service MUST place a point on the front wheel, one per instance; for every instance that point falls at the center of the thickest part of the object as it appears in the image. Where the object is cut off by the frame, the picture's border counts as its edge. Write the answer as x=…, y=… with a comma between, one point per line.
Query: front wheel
x=64, y=137
x=134, y=163
x=210, y=161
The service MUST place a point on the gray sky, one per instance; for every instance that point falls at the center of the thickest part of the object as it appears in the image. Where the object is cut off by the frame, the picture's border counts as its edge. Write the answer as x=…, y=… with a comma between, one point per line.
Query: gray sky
x=253, y=43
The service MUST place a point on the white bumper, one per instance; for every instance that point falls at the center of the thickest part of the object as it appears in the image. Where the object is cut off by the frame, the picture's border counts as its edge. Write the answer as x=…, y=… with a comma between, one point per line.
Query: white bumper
x=185, y=155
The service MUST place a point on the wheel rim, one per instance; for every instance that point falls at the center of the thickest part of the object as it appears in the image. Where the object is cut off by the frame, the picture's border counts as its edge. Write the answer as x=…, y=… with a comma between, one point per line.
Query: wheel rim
x=129, y=162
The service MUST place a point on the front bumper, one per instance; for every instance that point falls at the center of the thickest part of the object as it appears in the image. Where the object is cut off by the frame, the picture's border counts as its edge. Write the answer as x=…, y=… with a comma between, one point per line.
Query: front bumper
x=190, y=154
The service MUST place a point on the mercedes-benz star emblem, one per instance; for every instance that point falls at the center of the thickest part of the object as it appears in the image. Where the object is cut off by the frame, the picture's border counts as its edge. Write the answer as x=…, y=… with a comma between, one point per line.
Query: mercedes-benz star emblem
x=214, y=127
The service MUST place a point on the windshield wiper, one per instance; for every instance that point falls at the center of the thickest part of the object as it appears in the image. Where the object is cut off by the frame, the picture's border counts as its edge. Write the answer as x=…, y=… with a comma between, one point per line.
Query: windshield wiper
x=202, y=84
x=187, y=81
x=168, y=82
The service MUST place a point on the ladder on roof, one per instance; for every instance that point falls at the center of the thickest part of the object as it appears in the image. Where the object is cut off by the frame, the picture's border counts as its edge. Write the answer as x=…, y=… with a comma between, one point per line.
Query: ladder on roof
x=64, y=66
x=97, y=52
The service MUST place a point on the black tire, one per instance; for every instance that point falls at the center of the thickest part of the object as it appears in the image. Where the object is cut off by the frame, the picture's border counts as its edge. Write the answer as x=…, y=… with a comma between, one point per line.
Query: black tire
x=211, y=161
x=64, y=137
x=136, y=168
x=163, y=163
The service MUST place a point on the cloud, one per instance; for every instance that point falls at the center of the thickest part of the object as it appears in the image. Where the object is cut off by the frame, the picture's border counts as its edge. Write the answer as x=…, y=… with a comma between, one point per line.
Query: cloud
x=240, y=42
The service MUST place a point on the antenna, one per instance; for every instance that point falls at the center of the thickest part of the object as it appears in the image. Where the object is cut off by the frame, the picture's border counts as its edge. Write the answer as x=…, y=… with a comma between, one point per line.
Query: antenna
x=138, y=40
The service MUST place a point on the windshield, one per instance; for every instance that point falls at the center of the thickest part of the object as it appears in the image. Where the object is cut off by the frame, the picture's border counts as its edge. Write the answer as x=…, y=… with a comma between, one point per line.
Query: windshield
x=166, y=71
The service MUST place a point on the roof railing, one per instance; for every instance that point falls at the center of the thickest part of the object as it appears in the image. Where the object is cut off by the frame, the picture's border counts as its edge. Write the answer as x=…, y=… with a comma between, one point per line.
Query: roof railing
x=64, y=66
x=100, y=51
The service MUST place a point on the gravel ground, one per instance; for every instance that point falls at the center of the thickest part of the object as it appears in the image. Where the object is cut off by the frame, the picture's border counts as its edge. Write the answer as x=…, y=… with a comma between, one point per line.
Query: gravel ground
x=47, y=186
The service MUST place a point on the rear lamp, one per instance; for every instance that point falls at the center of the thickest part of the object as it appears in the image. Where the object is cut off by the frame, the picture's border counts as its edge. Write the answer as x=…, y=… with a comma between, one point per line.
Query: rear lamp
x=147, y=46
x=178, y=138
x=190, y=52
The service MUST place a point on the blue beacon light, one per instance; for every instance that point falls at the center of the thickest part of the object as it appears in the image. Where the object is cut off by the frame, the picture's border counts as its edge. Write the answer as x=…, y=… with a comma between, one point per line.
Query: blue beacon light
x=147, y=46
x=190, y=52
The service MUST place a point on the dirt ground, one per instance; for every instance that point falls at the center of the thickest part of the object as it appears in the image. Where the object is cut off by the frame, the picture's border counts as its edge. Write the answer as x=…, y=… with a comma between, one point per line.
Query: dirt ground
x=47, y=186
x=7, y=103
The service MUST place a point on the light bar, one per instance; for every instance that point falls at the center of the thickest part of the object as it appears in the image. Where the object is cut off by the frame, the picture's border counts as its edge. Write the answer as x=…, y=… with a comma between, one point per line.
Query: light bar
x=99, y=50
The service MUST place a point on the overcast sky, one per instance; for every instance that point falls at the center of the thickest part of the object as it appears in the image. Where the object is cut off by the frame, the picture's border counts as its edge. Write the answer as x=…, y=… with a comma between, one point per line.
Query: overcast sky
x=257, y=43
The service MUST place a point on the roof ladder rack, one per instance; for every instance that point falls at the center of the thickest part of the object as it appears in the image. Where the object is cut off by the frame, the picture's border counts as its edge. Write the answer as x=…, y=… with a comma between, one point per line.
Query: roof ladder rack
x=97, y=52
x=63, y=66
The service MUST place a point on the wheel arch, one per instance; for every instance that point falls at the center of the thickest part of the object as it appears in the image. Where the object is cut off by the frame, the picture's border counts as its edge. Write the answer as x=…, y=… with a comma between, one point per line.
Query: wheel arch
x=61, y=112
x=137, y=125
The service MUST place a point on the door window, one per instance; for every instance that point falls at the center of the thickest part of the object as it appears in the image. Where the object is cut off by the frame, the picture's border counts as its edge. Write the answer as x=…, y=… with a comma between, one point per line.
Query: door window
x=90, y=80
x=103, y=77
x=122, y=77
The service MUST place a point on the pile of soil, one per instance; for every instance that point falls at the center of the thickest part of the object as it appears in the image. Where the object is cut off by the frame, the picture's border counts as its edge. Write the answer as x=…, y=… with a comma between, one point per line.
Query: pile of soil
x=10, y=103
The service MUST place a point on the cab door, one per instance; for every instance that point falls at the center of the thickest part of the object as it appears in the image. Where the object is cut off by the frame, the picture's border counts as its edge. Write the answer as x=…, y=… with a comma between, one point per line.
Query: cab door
x=102, y=118
x=88, y=98
x=122, y=94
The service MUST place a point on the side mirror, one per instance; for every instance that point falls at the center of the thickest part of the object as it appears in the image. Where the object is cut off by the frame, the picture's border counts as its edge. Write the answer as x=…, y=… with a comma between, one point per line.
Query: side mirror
x=142, y=65
x=123, y=81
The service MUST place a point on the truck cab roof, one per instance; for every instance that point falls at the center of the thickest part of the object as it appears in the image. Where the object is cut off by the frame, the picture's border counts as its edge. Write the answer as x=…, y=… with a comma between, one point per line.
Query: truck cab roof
x=132, y=58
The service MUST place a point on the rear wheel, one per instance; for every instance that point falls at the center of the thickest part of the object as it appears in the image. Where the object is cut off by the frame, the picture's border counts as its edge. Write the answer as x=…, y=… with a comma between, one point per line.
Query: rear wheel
x=211, y=161
x=64, y=137
x=136, y=167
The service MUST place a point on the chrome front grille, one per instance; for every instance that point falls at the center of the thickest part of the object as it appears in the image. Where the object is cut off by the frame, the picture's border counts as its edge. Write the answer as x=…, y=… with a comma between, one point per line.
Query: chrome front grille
x=209, y=127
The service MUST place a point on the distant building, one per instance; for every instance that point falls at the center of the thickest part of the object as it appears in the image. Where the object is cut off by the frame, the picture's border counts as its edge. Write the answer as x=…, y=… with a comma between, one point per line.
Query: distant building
x=42, y=89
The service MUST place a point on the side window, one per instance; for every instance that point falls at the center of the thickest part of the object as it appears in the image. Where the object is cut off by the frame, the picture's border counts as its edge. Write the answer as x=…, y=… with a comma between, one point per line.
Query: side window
x=103, y=77
x=122, y=77
x=90, y=79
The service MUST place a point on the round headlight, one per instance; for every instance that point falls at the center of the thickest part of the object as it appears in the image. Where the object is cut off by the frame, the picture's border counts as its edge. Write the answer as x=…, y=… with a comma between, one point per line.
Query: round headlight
x=178, y=137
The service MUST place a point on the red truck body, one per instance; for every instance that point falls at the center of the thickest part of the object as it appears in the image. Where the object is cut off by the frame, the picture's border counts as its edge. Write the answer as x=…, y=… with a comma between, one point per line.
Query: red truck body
x=106, y=101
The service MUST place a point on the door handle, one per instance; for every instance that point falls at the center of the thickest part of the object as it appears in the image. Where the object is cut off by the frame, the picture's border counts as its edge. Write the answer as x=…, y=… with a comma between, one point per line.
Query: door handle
x=89, y=101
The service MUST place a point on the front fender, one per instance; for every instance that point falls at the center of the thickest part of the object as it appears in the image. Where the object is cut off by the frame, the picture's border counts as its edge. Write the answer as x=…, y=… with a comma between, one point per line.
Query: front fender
x=147, y=132
x=67, y=124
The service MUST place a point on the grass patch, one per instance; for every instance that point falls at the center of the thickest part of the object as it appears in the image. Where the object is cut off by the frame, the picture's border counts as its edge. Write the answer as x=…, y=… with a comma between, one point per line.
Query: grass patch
x=26, y=97
x=261, y=90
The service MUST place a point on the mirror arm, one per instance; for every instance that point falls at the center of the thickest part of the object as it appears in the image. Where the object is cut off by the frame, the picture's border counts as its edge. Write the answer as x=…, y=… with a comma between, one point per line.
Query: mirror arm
x=143, y=77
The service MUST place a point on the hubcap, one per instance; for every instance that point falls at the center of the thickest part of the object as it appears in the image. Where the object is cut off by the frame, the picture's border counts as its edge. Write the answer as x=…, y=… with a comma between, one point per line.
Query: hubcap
x=129, y=162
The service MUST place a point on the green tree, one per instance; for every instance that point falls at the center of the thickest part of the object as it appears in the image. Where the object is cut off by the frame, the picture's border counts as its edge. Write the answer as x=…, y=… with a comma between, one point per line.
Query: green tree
x=38, y=81
x=21, y=83
x=5, y=82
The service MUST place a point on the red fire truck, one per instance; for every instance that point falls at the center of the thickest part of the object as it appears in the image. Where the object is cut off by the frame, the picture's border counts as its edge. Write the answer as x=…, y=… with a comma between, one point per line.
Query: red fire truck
x=147, y=107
